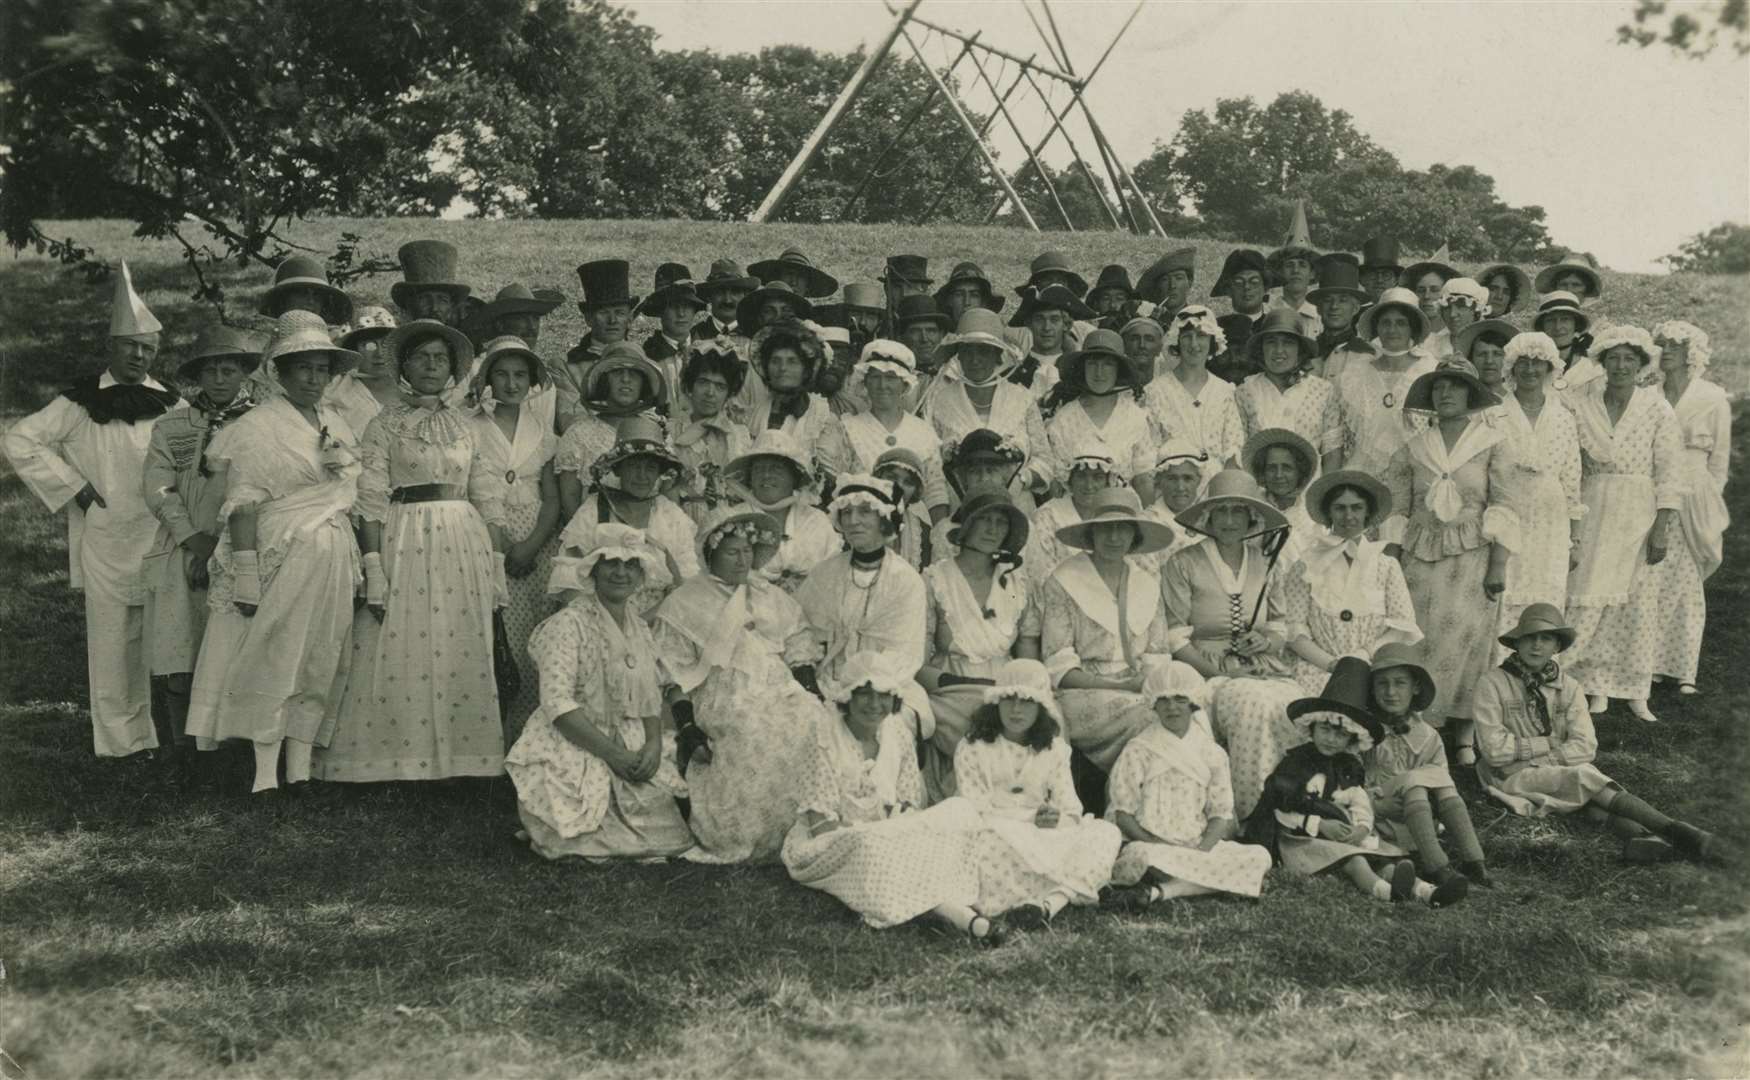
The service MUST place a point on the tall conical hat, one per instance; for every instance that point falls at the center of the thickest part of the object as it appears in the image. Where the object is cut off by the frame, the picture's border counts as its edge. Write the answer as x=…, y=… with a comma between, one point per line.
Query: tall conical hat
x=128, y=315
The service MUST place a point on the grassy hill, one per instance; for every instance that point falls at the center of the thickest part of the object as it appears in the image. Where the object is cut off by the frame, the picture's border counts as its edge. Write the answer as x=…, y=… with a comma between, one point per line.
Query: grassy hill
x=398, y=930
x=52, y=325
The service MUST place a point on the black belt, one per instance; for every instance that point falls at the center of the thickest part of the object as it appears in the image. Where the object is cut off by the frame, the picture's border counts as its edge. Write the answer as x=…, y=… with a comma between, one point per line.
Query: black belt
x=418, y=493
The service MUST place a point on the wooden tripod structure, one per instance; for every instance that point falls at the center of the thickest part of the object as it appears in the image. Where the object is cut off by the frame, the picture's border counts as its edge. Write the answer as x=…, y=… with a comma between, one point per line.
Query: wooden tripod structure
x=1130, y=196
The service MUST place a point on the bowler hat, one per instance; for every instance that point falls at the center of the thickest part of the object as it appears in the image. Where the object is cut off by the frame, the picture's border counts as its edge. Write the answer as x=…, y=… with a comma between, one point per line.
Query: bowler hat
x=1054, y=262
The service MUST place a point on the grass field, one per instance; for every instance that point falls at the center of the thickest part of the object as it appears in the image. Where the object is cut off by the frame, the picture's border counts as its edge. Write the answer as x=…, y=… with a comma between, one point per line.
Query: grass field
x=399, y=931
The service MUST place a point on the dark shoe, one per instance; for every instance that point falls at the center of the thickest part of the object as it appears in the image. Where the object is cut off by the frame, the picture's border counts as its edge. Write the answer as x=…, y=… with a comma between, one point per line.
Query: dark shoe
x=1403, y=881
x=1691, y=842
x=1478, y=873
x=1646, y=848
x=1450, y=891
x=1443, y=875
x=1126, y=898
x=1028, y=917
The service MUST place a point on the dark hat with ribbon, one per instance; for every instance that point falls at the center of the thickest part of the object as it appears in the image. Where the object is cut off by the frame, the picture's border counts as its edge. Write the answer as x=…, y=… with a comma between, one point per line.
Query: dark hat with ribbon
x=815, y=281
x=677, y=291
x=970, y=271
x=304, y=272
x=1152, y=286
x=605, y=282
x=920, y=307
x=1113, y=276
x=1019, y=526
x=1050, y=298
x=747, y=313
x=727, y=274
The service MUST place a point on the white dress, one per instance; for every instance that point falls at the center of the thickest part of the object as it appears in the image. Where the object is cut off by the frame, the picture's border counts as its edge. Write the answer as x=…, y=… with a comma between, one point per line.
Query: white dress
x=1010, y=783
x=1349, y=599
x=809, y=540
x=1704, y=424
x=1174, y=786
x=1548, y=453
x=1375, y=426
x=668, y=529
x=870, y=438
x=1013, y=414
x=519, y=461
x=1208, y=420
x=280, y=673
x=1128, y=435
x=1309, y=408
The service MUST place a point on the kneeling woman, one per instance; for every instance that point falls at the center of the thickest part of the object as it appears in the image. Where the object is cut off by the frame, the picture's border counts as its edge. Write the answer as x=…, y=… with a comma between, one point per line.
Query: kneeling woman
x=729, y=639
x=594, y=776
x=859, y=836
x=1039, y=853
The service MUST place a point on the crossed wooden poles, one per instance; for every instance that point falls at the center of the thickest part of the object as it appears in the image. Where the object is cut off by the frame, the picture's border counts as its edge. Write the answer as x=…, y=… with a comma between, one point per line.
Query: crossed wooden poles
x=976, y=51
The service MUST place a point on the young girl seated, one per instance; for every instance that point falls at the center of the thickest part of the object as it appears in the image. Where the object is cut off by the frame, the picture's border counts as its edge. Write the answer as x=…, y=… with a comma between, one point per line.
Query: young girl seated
x=1315, y=813
x=1172, y=797
x=1040, y=854
x=1537, y=745
x=1407, y=775
x=858, y=834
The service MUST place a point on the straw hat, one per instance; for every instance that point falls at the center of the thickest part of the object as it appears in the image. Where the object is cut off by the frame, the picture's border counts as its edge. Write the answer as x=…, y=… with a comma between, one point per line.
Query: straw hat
x=221, y=342
x=637, y=436
x=816, y=282
x=1027, y=680
x=1118, y=505
x=625, y=356
x=1541, y=619
x=970, y=271
x=1347, y=694
x=1561, y=303
x=1263, y=440
x=1421, y=392
x=1518, y=283
x=1285, y=322
x=1053, y=262
x=369, y=326
x=772, y=443
x=1378, y=494
x=1549, y=275
x=426, y=264
x=128, y=315
x=461, y=349
x=761, y=529
x=1232, y=487
x=515, y=299
x=1466, y=337
x=1396, y=298
x=302, y=271
x=1396, y=654
x=1019, y=526
x=977, y=326
x=508, y=345
x=302, y=332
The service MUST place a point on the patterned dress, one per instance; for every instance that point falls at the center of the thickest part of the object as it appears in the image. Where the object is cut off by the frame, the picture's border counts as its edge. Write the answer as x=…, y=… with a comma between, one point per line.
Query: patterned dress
x=427, y=708
x=1128, y=436
x=1457, y=503
x=730, y=651
x=705, y=447
x=1632, y=471
x=889, y=863
x=1208, y=419
x=969, y=638
x=1348, y=598
x=1548, y=450
x=1536, y=768
x=668, y=529
x=1174, y=786
x=588, y=438
x=520, y=461
x=570, y=802
x=1087, y=628
x=1375, y=426
x=809, y=540
x=869, y=438
x=1704, y=424
x=1309, y=408
x=1013, y=414
x=1248, y=702
x=1019, y=862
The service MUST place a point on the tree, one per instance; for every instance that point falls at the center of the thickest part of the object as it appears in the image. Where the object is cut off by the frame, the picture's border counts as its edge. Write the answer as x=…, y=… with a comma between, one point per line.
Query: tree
x=1695, y=31
x=1723, y=249
x=1080, y=199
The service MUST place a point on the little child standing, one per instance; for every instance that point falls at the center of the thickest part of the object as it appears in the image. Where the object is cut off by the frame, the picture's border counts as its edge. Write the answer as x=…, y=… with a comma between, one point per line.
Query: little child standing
x=1315, y=812
x=1407, y=774
x=1172, y=798
x=1537, y=745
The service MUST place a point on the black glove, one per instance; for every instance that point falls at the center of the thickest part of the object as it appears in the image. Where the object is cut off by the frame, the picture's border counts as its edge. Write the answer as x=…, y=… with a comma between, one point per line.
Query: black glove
x=688, y=736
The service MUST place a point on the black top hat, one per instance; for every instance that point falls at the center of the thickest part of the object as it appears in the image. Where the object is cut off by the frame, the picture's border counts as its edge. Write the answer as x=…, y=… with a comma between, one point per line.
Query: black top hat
x=1237, y=261
x=912, y=268
x=1050, y=298
x=1381, y=253
x=1338, y=277
x=970, y=271
x=605, y=282
x=1113, y=276
x=920, y=308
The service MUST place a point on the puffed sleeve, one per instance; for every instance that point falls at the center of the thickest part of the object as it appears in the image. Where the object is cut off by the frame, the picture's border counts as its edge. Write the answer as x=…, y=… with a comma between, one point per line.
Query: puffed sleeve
x=250, y=466
x=1399, y=479
x=1058, y=644
x=1670, y=484
x=1124, y=789
x=1063, y=781
x=373, y=497
x=832, y=446
x=486, y=486
x=158, y=486
x=557, y=648
x=1506, y=506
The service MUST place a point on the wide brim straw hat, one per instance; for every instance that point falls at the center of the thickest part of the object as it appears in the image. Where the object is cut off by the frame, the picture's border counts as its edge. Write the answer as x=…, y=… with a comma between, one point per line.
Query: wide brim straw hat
x=302, y=271
x=1547, y=277
x=772, y=443
x=1379, y=494
x=768, y=534
x=1393, y=299
x=1027, y=680
x=461, y=349
x=1541, y=619
x=624, y=356
x=1561, y=303
x=978, y=326
x=517, y=300
x=1232, y=487
x=1396, y=654
x=1467, y=336
x=1347, y=694
x=1020, y=528
x=221, y=342
x=303, y=332
x=1293, y=441
x=1521, y=287
x=1118, y=505
x=1421, y=393
x=508, y=345
x=637, y=436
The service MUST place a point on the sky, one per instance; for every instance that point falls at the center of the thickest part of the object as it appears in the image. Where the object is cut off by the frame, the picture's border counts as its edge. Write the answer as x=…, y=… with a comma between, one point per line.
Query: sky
x=1629, y=151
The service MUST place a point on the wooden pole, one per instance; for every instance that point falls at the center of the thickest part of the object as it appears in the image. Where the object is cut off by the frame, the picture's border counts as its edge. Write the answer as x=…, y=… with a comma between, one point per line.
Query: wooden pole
x=1050, y=188
x=966, y=123
x=1028, y=62
x=904, y=129
x=1106, y=159
x=1142, y=196
x=1057, y=126
x=835, y=112
x=989, y=122
x=1034, y=19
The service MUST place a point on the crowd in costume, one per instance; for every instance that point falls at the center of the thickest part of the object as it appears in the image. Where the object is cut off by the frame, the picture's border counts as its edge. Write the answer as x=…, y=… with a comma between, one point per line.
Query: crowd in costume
x=955, y=614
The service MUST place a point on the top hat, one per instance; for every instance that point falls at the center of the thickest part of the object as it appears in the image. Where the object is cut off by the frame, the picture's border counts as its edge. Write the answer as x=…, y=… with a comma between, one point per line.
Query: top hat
x=970, y=271
x=1114, y=505
x=864, y=296
x=1381, y=253
x=1397, y=654
x=816, y=282
x=605, y=282
x=221, y=342
x=1232, y=487
x=302, y=271
x=1050, y=298
x=1541, y=619
x=1546, y=278
x=1241, y=259
x=726, y=274
x=1152, y=286
x=1338, y=277
x=1113, y=276
x=1348, y=693
x=426, y=264
x=912, y=268
x=1054, y=262
x=920, y=307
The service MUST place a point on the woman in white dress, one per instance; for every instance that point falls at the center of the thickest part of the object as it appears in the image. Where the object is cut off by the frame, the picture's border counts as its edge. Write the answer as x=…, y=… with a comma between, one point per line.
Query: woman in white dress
x=1344, y=596
x=275, y=656
x=971, y=394
x=1631, y=458
x=859, y=835
x=359, y=395
x=1086, y=477
x=982, y=612
x=620, y=385
x=434, y=572
x=1220, y=591
x=1095, y=408
x=1704, y=424
x=775, y=477
x=628, y=483
x=595, y=776
x=885, y=376
x=728, y=638
x=517, y=442
x=1187, y=402
x=1285, y=393
x=1283, y=464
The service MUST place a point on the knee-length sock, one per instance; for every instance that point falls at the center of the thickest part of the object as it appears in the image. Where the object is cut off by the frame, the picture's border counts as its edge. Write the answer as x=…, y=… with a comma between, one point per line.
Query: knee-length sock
x=1633, y=808
x=1456, y=817
x=1419, y=816
x=267, y=764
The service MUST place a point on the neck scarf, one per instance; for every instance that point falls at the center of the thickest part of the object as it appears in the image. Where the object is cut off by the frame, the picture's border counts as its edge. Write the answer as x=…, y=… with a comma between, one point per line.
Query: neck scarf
x=1022, y=374
x=431, y=420
x=127, y=402
x=1534, y=682
x=217, y=417
x=790, y=403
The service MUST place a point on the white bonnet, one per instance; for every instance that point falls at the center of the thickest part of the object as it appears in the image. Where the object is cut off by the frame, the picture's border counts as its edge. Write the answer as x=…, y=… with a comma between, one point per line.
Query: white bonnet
x=1463, y=288
x=1534, y=345
x=1700, y=352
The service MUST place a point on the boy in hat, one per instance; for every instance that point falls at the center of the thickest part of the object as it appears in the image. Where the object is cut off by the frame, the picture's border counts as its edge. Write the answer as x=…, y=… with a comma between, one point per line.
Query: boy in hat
x=1167, y=284
x=607, y=306
x=87, y=448
x=1339, y=298
x=301, y=284
x=1244, y=277
x=1380, y=268
x=863, y=311
x=905, y=275
x=1112, y=297
x=1048, y=314
x=429, y=289
x=516, y=312
x=921, y=326
x=676, y=306
x=725, y=287
x=1294, y=267
x=185, y=495
x=967, y=288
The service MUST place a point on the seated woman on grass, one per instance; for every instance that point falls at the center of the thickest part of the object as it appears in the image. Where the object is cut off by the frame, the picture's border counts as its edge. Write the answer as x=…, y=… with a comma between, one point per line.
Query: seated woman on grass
x=1173, y=799
x=1537, y=745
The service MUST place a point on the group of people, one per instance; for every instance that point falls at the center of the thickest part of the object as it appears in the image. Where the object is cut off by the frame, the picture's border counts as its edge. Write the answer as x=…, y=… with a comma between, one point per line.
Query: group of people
x=951, y=613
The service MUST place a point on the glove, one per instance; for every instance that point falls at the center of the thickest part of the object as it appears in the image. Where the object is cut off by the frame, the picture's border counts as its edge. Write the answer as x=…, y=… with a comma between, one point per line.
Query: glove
x=376, y=581
x=245, y=577
x=500, y=583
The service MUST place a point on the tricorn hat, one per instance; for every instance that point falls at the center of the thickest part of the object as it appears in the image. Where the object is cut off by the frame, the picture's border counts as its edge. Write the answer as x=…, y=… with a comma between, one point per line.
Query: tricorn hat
x=1050, y=298
x=1152, y=286
x=605, y=282
x=426, y=264
x=1054, y=262
x=1237, y=261
x=816, y=282
x=302, y=271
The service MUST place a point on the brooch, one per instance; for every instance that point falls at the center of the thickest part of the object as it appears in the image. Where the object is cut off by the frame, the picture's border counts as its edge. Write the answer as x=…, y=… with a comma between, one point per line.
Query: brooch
x=1346, y=615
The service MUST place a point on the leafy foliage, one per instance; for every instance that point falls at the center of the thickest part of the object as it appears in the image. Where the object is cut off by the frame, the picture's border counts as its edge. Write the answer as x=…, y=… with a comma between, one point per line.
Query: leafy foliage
x=1723, y=249
x=1695, y=30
